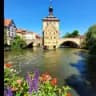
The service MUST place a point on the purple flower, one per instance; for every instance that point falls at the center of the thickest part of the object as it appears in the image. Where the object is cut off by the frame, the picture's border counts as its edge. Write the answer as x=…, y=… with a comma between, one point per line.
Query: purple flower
x=29, y=81
x=35, y=80
x=9, y=92
x=5, y=92
x=30, y=87
x=36, y=76
x=33, y=83
x=28, y=78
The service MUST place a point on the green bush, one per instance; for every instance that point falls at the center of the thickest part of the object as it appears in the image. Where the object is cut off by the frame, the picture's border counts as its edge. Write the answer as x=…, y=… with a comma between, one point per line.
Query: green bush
x=18, y=43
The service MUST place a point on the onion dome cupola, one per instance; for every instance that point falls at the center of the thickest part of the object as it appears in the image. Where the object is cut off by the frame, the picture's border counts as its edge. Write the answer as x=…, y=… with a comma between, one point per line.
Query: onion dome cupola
x=50, y=10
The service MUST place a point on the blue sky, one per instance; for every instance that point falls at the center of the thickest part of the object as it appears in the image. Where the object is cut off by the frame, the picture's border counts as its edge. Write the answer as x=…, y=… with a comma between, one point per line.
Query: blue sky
x=73, y=14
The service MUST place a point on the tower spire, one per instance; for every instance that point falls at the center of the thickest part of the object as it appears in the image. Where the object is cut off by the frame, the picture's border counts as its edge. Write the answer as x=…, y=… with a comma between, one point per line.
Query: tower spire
x=50, y=2
x=50, y=8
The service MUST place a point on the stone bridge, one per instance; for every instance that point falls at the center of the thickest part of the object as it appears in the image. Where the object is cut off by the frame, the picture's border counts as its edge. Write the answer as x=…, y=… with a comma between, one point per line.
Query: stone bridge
x=34, y=42
x=77, y=41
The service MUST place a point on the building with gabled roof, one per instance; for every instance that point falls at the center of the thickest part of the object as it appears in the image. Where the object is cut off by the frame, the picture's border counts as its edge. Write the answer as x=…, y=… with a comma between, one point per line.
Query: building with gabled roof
x=21, y=33
x=28, y=36
x=9, y=31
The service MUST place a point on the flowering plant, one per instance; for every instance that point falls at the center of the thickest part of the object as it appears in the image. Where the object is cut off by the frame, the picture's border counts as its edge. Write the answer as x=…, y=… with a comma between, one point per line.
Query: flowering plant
x=34, y=84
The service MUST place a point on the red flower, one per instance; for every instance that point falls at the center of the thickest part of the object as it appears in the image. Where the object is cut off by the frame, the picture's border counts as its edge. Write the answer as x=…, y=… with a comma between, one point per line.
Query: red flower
x=53, y=81
x=69, y=94
x=14, y=89
x=45, y=77
x=8, y=65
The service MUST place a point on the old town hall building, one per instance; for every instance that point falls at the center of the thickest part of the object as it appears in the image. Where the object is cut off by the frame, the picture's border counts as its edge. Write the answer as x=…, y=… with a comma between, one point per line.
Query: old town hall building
x=50, y=31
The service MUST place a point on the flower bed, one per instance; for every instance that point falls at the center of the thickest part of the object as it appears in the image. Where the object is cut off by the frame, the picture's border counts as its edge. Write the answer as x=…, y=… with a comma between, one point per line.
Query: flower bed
x=33, y=85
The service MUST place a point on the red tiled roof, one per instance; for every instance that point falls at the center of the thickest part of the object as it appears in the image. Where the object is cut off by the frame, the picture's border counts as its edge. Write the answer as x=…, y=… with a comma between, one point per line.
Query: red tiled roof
x=20, y=31
x=38, y=37
x=7, y=22
x=29, y=32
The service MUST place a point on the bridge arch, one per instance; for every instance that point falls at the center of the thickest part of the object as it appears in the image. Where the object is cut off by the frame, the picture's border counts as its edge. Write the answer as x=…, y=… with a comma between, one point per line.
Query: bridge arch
x=70, y=42
x=30, y=45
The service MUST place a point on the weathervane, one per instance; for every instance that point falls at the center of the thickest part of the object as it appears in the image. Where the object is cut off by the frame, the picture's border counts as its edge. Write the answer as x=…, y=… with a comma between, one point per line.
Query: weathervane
x=50, y=2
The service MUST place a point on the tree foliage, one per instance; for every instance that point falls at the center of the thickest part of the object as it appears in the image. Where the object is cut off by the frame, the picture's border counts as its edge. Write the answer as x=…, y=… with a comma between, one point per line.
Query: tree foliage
x=91, y=39
x=75, y=33
x=18, y=43
x=90, y=44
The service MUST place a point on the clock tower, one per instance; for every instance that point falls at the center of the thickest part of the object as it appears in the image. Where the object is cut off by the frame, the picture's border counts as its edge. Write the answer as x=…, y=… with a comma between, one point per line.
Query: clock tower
x=50, y=31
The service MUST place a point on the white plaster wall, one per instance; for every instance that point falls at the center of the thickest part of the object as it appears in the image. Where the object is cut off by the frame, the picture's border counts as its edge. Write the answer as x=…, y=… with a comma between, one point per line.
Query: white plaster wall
x=30, y=36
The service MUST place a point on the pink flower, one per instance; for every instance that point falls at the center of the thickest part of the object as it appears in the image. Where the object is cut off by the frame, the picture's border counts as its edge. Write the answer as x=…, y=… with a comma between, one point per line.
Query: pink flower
x=14, y=89
x=19, y=81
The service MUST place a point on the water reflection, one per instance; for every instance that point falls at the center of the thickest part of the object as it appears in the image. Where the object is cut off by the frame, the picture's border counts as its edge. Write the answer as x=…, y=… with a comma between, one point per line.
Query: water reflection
x=85, y=83
x=91, y=69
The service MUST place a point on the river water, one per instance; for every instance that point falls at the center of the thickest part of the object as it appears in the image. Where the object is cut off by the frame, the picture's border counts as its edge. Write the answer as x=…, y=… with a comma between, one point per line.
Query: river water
x=61, y=63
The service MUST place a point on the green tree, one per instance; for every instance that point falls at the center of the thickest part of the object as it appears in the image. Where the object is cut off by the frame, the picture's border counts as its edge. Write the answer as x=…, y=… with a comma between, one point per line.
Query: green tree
x=75, y=33
x=18, y=43
x=91, y=36
x=91, y=39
